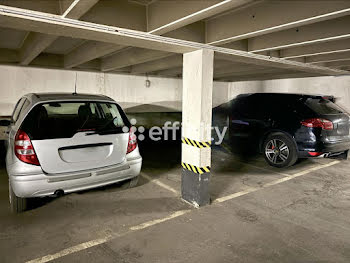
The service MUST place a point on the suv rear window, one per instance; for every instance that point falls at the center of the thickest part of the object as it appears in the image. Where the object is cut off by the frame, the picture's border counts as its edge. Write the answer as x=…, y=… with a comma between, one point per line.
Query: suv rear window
x=323, y=106
x=54, y=120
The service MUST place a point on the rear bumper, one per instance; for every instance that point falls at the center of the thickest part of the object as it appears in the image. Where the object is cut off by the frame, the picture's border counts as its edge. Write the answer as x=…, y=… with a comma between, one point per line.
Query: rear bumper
x=325, y=148
x=38, y=185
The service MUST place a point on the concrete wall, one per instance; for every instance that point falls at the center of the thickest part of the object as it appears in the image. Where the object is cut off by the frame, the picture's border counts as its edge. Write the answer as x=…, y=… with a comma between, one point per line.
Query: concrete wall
x=165, y=94
x=336, y=86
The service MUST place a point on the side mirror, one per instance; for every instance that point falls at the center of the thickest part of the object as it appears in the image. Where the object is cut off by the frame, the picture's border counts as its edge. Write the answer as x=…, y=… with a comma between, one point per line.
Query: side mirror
x=5, y=123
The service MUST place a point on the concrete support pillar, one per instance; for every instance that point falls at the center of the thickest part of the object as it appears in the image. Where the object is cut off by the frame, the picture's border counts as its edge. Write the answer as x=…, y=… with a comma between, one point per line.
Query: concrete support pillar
x=196, y=126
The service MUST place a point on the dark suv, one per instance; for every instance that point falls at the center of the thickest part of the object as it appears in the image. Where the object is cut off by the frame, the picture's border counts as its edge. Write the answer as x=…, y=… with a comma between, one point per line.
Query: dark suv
x=286, y=127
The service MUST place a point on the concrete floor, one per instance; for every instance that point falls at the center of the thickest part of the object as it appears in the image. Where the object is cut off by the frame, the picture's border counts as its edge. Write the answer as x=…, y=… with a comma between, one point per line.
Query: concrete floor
x=300, y=214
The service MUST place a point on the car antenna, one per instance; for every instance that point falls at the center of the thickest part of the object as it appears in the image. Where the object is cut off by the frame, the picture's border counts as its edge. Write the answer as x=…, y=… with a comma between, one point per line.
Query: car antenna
x=75, y=85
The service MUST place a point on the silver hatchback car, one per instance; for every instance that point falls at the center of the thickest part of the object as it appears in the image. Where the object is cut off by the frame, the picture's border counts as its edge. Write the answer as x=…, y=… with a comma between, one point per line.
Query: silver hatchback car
x=62, y=143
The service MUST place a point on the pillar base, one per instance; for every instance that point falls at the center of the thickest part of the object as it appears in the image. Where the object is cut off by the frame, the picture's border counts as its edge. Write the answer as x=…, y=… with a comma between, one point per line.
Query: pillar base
x=195, y=188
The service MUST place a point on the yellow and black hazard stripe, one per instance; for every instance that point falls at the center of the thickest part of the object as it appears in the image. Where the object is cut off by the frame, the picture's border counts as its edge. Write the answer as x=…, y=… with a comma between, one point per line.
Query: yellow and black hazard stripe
x=196, y=169
x=196, y=143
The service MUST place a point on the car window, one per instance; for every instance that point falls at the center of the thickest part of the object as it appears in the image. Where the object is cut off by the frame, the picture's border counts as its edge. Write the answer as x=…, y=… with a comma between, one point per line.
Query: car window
x=250, y=108
x=110, y=111
x=65, y=119
x=323, y=106
x=17, y=109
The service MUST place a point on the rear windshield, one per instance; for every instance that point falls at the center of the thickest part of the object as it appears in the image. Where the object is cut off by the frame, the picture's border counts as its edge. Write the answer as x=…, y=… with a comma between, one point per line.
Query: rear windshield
x=323, y=106
x=64, y=119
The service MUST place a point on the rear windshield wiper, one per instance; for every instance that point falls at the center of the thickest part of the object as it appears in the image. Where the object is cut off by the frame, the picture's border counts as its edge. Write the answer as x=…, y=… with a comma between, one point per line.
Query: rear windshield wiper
x=102, y=132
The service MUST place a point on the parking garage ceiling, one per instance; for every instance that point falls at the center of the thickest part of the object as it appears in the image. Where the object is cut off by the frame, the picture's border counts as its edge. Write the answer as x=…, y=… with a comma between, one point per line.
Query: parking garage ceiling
x=252, y=40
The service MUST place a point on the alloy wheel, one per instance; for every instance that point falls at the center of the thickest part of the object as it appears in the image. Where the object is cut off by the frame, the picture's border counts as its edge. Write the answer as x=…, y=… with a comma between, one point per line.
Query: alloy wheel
x=276, y=151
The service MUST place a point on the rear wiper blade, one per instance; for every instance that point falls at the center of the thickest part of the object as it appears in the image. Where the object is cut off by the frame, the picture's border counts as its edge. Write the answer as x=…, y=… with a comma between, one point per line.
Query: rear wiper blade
x=98, y=130
x=101, y=132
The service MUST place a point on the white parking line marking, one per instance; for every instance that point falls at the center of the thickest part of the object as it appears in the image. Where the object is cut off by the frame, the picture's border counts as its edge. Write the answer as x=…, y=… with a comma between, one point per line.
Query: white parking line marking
x=71, y=250
x=284, y=179
x=141, y=226
x=264, y=169
x=158, y=221
x=100, y=241
x=157, y=182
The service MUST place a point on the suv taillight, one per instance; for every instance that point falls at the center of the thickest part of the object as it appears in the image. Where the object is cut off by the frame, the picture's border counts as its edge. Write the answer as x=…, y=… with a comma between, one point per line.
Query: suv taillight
x=24, y=149
x=318, y=123
x=132, y=142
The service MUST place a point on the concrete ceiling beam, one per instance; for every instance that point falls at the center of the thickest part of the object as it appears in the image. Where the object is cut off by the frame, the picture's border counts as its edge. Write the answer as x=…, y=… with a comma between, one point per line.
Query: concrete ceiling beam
x=336, y=29
x=134, y=56
x=78, y=8
x=165, y=16
x=45, y=23
x=328, y=57
x=118, y=13
x=299, y=59
x=88, y=51
x=130, y=57
x=270, y=76
x=268, y=62
x=338, y=64
x=251, y=72
x=171, y=72
x=166, y=65
x=36, y=43
x=239, y=69
x=256, y=20
x=178, y=19
x=52, y=7
x=316, y=49
x=48, y=61
x=160, y=64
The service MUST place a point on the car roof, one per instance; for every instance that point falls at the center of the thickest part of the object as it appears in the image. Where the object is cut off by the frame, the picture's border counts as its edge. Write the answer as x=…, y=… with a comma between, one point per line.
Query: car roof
x=40, y=97
x=283, y=94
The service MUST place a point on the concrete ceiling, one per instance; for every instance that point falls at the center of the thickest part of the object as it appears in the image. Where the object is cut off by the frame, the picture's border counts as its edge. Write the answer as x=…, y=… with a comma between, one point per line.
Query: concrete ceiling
x=252, y=39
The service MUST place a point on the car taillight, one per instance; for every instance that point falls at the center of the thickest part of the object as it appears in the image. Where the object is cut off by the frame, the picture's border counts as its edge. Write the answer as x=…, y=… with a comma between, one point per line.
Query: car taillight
x=24, y=149
x=132, y=142
x=318, y=123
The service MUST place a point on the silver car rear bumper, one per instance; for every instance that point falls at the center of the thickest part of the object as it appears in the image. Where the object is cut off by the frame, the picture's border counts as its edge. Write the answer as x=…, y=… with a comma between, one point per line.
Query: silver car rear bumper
x=38, y=185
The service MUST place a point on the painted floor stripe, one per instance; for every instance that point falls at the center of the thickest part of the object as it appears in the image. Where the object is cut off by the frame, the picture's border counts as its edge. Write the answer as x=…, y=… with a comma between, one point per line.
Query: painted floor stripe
x=284, y=179
x=100, y=241
x=176, y=214
x=158, y=221
x=71, y=250
x=264, y=169
x=159, y=183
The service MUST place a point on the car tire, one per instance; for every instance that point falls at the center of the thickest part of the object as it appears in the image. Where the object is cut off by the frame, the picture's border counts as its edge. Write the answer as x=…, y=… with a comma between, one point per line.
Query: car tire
x=280, y=150
x=131, y=183
x=17, y=204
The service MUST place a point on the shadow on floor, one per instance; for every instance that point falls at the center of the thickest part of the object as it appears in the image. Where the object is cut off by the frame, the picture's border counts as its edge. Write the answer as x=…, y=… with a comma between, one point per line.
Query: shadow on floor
x=2, y=154
x=160, y=155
